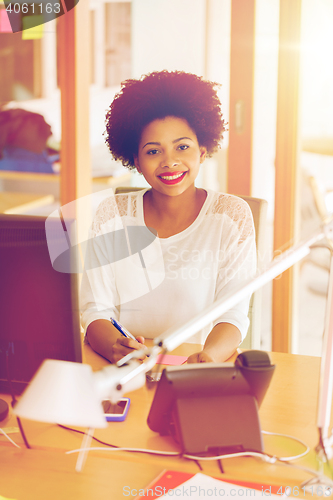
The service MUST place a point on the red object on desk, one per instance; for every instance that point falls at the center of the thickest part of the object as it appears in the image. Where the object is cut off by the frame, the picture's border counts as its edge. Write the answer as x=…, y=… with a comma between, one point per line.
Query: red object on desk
x=170, y=479
x=170, y=359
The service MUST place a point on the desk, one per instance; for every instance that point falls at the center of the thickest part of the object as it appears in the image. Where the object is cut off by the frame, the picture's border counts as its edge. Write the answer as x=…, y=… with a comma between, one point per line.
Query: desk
x=46, y=472
x=40, y=177
x=16, y=203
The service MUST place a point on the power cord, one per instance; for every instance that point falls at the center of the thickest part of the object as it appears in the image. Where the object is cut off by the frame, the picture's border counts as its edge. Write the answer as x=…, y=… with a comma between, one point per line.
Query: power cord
x=270, y=458
x=115, y=447
x=82, y=432
x=132, y=450
x=285, y=459
x=318, y=479
x=9, y=438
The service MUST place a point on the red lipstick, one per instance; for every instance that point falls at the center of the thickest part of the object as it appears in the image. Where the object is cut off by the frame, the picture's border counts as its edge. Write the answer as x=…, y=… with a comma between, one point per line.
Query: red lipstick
x=172, y=177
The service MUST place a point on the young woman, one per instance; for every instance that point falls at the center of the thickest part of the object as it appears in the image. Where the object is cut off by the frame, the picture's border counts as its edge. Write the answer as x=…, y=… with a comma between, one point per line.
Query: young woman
x=165, y=125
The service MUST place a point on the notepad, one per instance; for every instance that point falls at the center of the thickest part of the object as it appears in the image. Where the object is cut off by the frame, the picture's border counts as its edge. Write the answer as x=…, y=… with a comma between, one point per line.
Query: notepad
x=198, y=486
x=171, y=359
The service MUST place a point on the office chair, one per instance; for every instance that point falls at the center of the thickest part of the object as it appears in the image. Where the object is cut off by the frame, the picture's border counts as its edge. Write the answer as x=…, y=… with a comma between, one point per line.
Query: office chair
x=313, y=213
x=259, y=212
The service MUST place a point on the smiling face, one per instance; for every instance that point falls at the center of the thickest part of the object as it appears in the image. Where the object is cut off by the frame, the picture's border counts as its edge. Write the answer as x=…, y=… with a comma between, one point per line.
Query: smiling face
x=169, y=155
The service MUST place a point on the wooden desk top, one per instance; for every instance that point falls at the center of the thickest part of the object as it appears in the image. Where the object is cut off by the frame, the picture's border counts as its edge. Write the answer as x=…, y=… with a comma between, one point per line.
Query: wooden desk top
x=16, y=203
x=289, y=407
x=318, y=145
x=40, y=177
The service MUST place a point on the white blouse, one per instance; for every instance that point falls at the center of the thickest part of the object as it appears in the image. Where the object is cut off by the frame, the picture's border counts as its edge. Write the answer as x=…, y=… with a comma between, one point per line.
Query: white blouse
x=151, y=284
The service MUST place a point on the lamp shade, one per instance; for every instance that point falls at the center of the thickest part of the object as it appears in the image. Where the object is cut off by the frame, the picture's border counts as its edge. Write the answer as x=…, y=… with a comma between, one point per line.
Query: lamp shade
x=64, y=393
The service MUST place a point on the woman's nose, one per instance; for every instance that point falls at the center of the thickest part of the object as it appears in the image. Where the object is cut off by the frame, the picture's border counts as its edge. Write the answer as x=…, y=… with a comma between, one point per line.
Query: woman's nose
x=170, y=160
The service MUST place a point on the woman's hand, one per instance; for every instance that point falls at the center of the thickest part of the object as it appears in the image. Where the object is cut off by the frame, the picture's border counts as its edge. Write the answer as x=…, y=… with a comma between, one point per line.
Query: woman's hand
x=200, y=357
x=124, y=346
x=220, y=345
x=105, y=339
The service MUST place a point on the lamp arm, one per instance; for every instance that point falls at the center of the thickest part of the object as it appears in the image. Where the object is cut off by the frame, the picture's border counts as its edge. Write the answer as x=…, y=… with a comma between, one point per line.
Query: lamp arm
x=326, y=376
x=113, y=381
x=172, y=338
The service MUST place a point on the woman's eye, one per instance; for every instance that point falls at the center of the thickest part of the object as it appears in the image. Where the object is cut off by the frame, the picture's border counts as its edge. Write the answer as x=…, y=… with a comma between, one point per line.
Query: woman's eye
x=152, y=152
x=183, y=147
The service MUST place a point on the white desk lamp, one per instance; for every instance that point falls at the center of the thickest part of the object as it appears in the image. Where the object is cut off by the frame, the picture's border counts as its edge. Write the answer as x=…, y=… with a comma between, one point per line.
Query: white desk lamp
x=71, y=394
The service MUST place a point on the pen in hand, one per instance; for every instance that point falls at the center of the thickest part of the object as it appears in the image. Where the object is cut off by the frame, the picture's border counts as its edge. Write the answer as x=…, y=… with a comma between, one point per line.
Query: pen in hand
x=122, y=329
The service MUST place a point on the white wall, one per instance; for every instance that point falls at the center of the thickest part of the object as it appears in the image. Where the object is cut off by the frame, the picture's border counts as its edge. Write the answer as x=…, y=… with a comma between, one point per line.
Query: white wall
x=265, y=101
x=49, y=60
x=218, y=51
x=218, y=70
x=168, y=34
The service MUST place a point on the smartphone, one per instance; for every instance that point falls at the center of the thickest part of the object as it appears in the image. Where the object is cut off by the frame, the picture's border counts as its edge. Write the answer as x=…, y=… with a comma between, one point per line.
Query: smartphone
x=116, y=412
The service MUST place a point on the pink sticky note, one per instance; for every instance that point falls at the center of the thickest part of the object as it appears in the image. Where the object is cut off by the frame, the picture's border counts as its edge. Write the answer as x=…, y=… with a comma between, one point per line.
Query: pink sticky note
x=5, y=26
x=170, y=359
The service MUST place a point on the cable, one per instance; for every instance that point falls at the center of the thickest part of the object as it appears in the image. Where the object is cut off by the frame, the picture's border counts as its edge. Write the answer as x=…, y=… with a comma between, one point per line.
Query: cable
x=320, y=478
x=284, y=459
x=134, y=450
x=219, y=463
x=10, y=439
x=93, y=437
x=263, y=456
x=267, y=458
x=198, y=464
x=115, y=447
x=271, y=459
x=321, y=450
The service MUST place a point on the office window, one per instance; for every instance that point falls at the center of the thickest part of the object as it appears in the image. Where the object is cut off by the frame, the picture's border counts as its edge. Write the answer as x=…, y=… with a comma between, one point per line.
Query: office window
x=20, y=63
x=92, y=46
x=117, y=42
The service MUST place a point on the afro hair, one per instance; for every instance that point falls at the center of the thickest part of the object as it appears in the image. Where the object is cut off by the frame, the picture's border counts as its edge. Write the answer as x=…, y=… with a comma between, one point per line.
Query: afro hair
x=155, y=96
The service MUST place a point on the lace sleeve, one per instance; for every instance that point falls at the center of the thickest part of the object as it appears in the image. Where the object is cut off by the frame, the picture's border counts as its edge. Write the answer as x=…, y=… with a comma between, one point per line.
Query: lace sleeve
x=119, y=205
x=106, y=210
x=238, y=211
x=238, y=258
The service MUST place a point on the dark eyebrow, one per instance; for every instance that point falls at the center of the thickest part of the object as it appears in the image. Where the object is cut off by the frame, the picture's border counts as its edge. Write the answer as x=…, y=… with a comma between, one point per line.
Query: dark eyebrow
x=173, y=142
x=181, y=138
x=153, y=143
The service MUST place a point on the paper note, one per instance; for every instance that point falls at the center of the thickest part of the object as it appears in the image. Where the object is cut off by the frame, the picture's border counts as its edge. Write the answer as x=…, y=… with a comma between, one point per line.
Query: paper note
x=5, y=26
x=197, y=486
x=30, y=30
x=170, y=359
x=202, y=486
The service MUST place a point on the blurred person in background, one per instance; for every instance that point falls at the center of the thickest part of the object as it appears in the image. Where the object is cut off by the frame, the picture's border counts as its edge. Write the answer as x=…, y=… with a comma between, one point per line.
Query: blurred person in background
x=23, y=142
